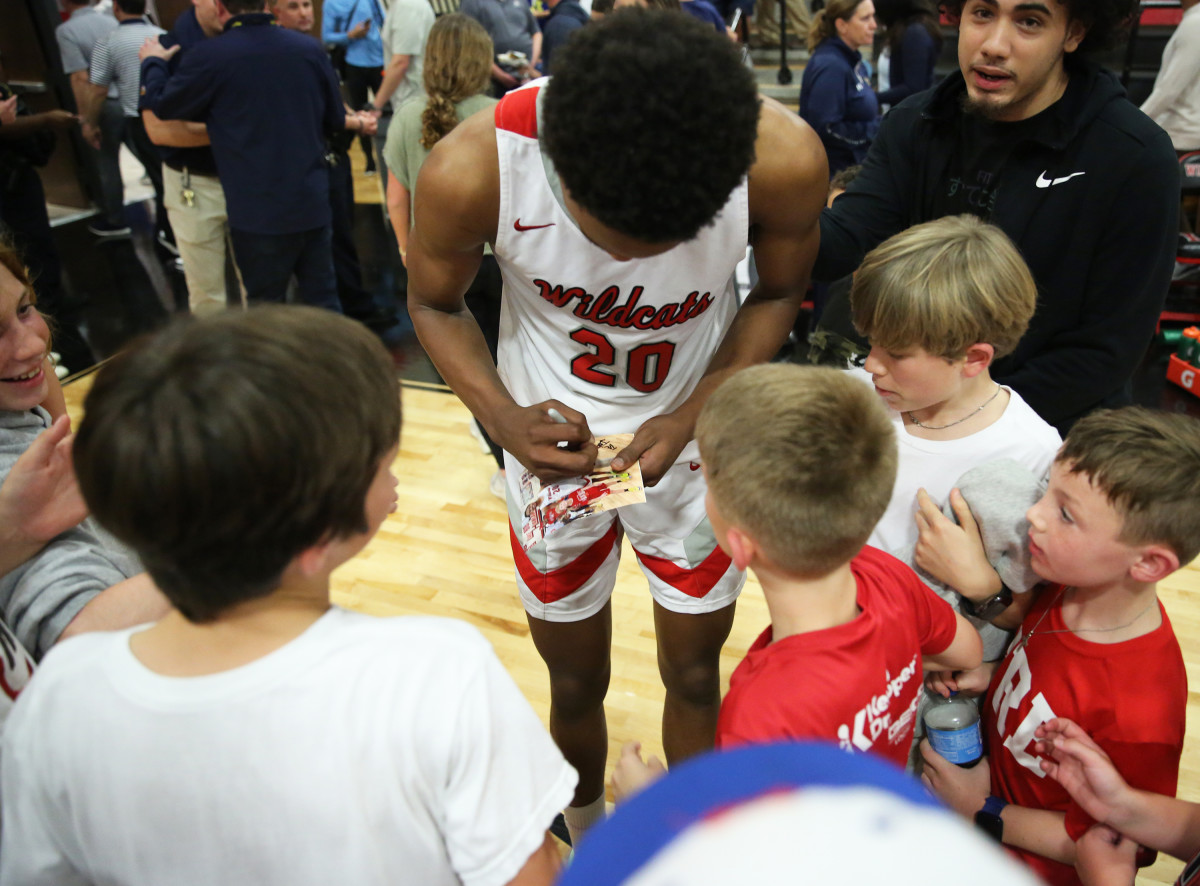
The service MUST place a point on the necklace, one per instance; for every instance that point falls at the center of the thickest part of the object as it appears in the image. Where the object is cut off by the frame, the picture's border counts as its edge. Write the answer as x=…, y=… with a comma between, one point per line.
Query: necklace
x=913, y=418
x=1024, y=640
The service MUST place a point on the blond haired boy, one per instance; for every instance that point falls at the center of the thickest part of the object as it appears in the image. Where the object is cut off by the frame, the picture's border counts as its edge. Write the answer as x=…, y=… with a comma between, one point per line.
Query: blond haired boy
x=800, y=463
x=1097, y=647
x=939, y=302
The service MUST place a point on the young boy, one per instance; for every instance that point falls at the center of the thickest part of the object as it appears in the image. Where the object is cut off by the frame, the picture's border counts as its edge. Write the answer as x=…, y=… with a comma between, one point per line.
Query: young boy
x=800, y=464
x=257, y=735
x=1097, y=647
x=939, y=302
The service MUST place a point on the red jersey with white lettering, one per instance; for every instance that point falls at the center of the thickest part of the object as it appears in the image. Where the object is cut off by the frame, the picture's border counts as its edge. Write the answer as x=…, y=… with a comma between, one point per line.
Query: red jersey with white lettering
x=619, y=341
x=1130, y=697
x=857, y=684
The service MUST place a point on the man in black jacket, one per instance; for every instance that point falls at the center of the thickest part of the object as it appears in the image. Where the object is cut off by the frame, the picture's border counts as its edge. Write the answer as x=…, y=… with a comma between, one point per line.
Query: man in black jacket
x=1042, y=142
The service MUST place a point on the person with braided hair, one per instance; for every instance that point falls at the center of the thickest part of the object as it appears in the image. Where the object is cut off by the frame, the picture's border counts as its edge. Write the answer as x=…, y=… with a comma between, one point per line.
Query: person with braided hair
x=457, y=73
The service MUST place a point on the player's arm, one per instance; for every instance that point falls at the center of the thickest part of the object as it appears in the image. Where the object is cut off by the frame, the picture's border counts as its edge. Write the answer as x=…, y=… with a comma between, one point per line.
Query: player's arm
x=787, y=187
x=455, y=212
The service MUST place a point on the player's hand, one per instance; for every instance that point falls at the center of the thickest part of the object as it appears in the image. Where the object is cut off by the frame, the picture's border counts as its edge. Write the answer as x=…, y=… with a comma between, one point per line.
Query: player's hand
x=40, y=498
x=963, y=790
x=632, y=774
x=953, y=553
x=360, y=30
x=1105, y=858
x=8, y=110
x=970, y=683
x=532, y=437
x=656, y=445
x=1074, y=760
x=152, y=48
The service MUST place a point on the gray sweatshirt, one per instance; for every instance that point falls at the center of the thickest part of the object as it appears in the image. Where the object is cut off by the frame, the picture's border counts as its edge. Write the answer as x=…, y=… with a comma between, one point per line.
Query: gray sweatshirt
x=40, y=597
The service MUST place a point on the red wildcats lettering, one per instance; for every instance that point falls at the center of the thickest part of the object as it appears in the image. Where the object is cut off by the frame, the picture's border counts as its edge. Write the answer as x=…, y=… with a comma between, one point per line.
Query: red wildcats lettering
x=608, y=310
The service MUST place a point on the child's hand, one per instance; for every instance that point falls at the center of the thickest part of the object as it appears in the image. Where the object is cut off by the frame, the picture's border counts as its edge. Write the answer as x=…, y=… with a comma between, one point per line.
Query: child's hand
x=1076, y=762
x=953, y=553
x=632, y=774
x=1105, y=858
x=40, y=498
x=969, y=683
x=963, y=790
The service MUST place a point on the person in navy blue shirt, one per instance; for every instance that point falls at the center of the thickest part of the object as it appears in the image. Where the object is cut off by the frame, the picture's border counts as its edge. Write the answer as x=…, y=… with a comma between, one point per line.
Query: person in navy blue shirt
x=268, y=96
x=200, y=220
x=914, y=42
x=836, y=98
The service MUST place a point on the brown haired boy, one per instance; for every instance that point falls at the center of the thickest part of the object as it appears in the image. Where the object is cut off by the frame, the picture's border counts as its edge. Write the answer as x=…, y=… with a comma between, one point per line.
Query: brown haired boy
x=256, y=734
x=800, y=463
x=1097, y=647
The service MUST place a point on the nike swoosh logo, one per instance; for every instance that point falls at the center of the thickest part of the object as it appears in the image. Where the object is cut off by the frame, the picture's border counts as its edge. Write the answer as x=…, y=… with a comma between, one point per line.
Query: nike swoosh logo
x=517, y=226
x=1044, y=182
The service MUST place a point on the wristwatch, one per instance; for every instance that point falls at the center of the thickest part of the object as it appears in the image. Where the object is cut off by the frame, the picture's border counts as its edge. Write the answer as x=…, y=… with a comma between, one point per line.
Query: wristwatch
x=992, y=606
x=988, y=818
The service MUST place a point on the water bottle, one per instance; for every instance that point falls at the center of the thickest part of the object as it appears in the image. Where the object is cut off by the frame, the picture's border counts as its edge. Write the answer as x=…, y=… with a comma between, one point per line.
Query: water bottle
x=952, y=725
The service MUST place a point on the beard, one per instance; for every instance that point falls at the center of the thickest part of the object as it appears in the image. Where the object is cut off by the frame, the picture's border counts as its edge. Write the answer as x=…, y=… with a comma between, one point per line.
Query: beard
x=981, y=108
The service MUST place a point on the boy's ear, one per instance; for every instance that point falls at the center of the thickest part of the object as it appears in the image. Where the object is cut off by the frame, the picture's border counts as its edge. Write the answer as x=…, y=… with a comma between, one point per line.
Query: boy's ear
x=315, y=560
x=742, y=548
x=1155, y=563
x=979, y=358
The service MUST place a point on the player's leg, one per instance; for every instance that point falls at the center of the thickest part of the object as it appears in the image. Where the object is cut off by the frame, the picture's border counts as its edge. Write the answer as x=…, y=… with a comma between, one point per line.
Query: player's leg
x=566, y=581
x=695, y=585
x=689, y=651
x=576, y=654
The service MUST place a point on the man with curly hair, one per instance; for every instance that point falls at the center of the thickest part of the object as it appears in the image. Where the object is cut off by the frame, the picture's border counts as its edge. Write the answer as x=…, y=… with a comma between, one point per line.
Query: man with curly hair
x=618, y=198
x=1036, y=138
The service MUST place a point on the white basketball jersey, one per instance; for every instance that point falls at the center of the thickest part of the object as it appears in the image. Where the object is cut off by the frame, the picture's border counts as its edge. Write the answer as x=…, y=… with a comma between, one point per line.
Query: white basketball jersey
x=619, y=341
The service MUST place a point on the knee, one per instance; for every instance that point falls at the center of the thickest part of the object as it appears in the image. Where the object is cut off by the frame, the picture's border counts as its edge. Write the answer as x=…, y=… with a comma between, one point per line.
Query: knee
x=696, y=681
x=576, y=693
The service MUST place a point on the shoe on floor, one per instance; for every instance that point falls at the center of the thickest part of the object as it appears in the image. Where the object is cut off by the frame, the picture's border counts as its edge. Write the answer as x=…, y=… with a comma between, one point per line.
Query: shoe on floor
x=496, y=486
x=478, y=435
x=108, y=230
x=167, y=242
x=1189, y=247
x=370, y=170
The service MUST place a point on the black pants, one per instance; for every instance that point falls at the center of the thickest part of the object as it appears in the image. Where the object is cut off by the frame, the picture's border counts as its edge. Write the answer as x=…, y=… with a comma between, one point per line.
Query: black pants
x=147, y=154
x=269, y=261
x=356, y=301
x=358, y=81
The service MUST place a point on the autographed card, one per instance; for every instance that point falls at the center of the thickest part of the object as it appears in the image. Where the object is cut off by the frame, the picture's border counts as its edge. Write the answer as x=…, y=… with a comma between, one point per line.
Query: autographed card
x=547, y=509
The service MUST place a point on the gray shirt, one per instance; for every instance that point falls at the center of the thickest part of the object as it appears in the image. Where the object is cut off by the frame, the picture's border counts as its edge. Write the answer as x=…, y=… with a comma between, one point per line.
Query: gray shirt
x=77, y=38
x=40, y=597
x=115, y=60
x=405, y=31
x=510, y=23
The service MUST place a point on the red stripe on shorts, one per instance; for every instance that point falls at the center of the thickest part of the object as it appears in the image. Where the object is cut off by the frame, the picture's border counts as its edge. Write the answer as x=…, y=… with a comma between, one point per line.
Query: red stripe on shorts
x=517, y=112
x=552, y=586
x=693, y=582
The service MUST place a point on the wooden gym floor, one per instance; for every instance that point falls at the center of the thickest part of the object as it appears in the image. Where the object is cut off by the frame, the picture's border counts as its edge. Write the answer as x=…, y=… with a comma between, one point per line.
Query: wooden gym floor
x=446, y=552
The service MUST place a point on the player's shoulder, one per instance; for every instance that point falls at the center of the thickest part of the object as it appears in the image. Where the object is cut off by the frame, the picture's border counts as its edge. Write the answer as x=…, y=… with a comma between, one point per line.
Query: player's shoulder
x=462, y=174
x=790, y=169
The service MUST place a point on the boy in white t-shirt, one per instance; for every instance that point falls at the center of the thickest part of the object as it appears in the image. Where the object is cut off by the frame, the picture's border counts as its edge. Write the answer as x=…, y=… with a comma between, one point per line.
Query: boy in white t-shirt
x=256, y=734
x=939, y=302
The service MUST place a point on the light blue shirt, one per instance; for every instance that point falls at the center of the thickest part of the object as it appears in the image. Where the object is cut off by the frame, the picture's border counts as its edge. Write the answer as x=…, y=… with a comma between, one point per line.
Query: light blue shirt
x=339, y=16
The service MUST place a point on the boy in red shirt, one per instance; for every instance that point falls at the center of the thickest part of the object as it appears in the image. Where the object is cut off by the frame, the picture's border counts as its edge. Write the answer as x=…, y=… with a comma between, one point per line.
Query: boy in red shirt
x=800, y=465
x=1097, y=647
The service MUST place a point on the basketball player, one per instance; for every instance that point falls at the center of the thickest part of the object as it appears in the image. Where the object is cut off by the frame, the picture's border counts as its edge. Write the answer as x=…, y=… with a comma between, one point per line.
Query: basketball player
x=618, y=198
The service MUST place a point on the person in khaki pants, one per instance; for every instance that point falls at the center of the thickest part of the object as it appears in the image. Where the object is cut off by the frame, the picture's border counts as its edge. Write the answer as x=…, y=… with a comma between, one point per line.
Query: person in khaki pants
x=192, y=193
